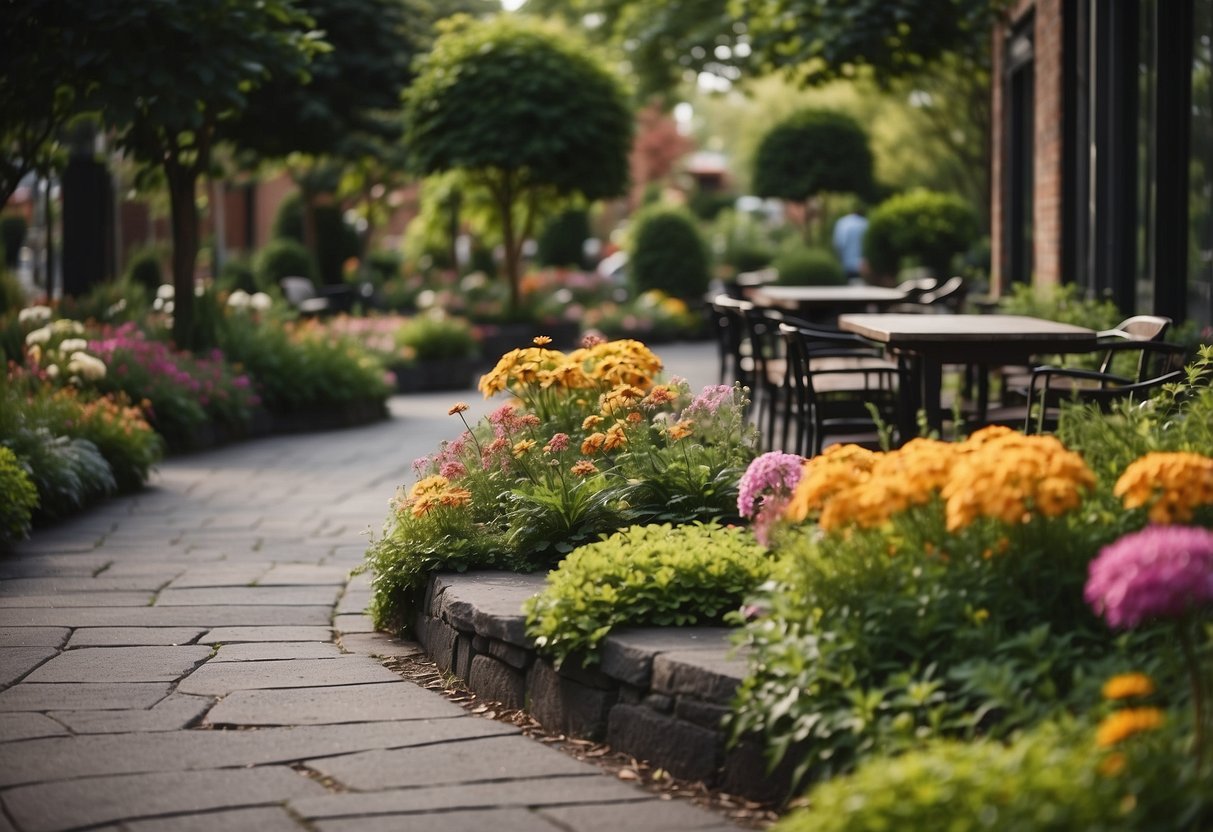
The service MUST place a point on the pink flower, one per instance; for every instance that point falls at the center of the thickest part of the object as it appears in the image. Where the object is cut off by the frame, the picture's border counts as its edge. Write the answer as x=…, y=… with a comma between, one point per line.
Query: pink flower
x=1158, y=572
x=557, y=443
x=766, y=487
x=709, y=401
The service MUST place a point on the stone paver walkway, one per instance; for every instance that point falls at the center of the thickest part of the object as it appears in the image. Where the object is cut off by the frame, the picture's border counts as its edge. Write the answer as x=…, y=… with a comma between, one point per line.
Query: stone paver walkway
x=195, y=657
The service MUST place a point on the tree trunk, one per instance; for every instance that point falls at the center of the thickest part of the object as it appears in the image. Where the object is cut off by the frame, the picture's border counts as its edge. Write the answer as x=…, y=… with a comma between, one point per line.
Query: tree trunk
x=505, y=204
x=184, y=219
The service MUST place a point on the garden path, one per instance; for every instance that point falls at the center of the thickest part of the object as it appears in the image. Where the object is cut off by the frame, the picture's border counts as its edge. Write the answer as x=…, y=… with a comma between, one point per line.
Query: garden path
x=195, y=657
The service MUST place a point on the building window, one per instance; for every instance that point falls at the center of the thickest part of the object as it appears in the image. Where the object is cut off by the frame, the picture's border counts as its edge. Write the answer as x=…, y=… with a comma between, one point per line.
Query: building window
x=1020, y=130
x=1200, y=169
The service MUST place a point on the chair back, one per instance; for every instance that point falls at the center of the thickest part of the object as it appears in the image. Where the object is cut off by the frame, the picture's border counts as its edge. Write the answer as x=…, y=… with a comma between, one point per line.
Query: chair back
x=1132, y=334
x=913, y=290
x=949, y=295
x=1141, y=328
x=729, y=317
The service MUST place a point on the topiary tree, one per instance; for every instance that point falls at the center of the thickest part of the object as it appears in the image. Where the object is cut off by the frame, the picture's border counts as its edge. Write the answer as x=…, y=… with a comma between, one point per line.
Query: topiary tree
x=562, y=242
x=804, y=266
x=668, y=254
x=335, y=239
x=281, y=258
x=526, y=112
x=930, y=226
x=812, y=152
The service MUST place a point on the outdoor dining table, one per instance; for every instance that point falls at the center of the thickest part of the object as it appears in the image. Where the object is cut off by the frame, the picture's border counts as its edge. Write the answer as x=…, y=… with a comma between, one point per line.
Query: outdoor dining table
x=817, y=302
x=925, y=343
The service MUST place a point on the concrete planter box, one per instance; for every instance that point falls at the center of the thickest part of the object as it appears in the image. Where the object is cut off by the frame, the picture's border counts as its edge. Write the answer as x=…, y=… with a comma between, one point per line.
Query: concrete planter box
x=657, y=693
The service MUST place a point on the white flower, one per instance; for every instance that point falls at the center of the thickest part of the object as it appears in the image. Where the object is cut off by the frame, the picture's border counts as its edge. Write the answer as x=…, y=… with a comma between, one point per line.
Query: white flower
x=168, y=307
x=238, y=299
x=88, y=366
x=166, y=291
x=38, y=336
x=73, y=345
x=261, y=301
x=53, y=371
x=199, y=290
x=34, y=315
x=66, y=326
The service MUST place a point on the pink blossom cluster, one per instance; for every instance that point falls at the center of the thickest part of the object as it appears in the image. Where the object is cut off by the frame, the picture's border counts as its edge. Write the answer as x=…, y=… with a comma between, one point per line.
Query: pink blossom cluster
x=1158, y=572
x=709, y=401
x=765, y=489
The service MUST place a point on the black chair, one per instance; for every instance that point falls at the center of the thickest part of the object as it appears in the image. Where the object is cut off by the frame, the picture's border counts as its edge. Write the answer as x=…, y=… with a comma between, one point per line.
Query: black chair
x=949, y=296
x=765, y=351
x=736, y=365
x=1160, y=363
x=831, y=380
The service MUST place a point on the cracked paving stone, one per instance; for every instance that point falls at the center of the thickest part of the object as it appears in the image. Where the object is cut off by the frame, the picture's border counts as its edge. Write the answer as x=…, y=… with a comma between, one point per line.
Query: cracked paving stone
x=77, y=697
x=219, y=678
x=332, y=705
x=134, y=636
x=15, y=662
x=277, y=651
x=33, y=636
x=231, y=635
x=121, y=664
x=28, y=726
x=172, y=713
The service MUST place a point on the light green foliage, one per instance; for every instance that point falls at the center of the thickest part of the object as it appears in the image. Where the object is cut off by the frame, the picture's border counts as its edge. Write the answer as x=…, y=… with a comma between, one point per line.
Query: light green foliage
x=1051, y=779
x=800, y=265
x=810, y=152
x=667, y=253
x=432, y=337
x=68, y=473
x=18, y=497
x=933, y=228
x=654, y=575
x=1065, y=303
x=528, y=112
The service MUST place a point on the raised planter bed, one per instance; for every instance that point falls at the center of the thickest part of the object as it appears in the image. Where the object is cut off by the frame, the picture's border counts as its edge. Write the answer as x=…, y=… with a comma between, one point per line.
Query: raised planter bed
x=443, y=374
x=658, y=693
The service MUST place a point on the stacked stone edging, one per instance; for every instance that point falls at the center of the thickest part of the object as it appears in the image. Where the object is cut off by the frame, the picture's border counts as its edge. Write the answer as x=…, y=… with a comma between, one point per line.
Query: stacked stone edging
x=659, y=694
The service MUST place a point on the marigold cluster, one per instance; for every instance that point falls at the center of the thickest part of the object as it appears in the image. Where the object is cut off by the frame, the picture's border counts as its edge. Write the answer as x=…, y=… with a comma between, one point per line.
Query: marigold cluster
x=1118, y=727
x=1009, y=477
x=1128, y=686
x=431, y=492
x=1171, y=485
x=898, y=480
x=825, y=475
x=605, y=365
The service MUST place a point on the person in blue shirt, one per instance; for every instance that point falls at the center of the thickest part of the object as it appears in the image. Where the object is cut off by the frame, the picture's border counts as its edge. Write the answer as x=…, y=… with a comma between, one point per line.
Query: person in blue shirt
x=848, y=243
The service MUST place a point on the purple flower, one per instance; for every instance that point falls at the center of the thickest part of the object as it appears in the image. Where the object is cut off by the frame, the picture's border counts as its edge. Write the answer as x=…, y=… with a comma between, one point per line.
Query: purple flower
x=1158, y=572
x=765, y=488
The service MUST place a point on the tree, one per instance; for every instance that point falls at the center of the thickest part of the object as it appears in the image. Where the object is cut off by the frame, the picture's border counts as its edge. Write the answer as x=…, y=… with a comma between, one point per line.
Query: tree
x=656, y=149
x=527, y=114
x=166, y=76
x=812, y=152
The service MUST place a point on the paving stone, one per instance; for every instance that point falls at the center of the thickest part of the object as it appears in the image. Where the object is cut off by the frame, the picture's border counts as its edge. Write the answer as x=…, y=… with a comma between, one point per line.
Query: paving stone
x=173, y=713
x=133, y=636
x=15, y=662
x=168, y=616
x=353, y=623
x=649, y=816
x=80, y=697
x=268, y=819
x=219, y=678
x=34, y=636
x=398, y=700
x=102, y=583
x=77, y=599
x=54, y=806
x=628, y=654
x=471, y=761
x=303, y=574
x=380, y=644
x=234, y=635
x=100, y=754
x=121, y=664
x=702, y=674
x=277, y=651
x=498, y=820
x=231, y=575
x=248, y=595
x=683, y=749
x=28, y=726
x=503, y=794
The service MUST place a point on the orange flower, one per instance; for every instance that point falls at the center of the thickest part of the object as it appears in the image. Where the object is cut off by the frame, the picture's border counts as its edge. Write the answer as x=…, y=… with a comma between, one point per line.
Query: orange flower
x=1128, y=686
x=1172, y=485
x=522, y=447
x=1124, y=724
x=615, y=438
x=593, y=443
x=458, y=407
x=584, y=468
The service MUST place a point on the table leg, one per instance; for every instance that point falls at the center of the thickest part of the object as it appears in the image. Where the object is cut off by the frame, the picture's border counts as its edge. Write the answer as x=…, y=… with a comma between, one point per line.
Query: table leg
x=909, y=386
x=931, y=372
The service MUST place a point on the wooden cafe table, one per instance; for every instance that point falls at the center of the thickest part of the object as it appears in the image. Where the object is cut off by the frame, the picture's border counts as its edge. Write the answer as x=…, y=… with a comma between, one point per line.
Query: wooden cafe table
x=928, y=342
x=826, y=301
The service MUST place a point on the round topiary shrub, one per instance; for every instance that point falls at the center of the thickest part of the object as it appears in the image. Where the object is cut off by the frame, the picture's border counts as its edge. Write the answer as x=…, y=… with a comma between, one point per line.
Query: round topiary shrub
x=929, y=226
x=562, y=242
x=238, y=274
x=283, y=258
x=810, y=152
x=803, y=266
x=336, y=240
x=143, y=270
x=668, y=254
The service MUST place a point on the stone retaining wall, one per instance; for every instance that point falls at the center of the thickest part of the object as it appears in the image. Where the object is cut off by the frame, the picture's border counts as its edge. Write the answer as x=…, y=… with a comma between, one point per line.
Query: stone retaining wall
x=658, y=694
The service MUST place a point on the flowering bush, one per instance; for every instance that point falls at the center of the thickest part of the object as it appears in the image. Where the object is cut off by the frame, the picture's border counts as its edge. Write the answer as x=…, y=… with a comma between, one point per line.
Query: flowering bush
x=594, y=442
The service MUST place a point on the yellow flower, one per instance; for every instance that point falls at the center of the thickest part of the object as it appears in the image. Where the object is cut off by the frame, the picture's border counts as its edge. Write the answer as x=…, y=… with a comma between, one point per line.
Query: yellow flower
x=1128, y=686
x=1172, y=485
x=1123, y=724
x=839, y=468
x=522, y=447
x=591, y=422
x=458, y=407
x=541, y=340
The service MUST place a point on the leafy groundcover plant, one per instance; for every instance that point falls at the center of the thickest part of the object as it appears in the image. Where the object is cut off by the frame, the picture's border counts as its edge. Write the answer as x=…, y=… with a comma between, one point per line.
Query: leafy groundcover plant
x=654, y=575
x=592, y=443
x=937, y=591
x=18, y=498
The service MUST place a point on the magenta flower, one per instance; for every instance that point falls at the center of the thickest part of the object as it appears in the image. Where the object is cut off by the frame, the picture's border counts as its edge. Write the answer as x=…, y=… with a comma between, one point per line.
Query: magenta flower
x=1158, y=572
x=765, y=488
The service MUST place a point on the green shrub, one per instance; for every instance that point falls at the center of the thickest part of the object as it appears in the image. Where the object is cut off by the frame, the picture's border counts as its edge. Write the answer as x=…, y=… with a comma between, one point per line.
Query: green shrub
x=668, y=254
x=929, y=226
x=1054, y=778
x=336, y=240
x=644, y=576
x=12, y=296
x=143, y=271
x=68, y=473
x=810, y=152
x=562, y=242
x=384, y=266
x=803, y=266
x=113, y=302
x=12, y=236
x=1064, y=303
x=281, y=258
x=432, y=337
x=18, y=498
x=239, y=274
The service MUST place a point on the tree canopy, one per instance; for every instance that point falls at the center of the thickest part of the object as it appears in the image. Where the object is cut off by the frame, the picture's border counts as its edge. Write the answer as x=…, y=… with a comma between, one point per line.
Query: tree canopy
x=526, y=112
x=811, y=152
